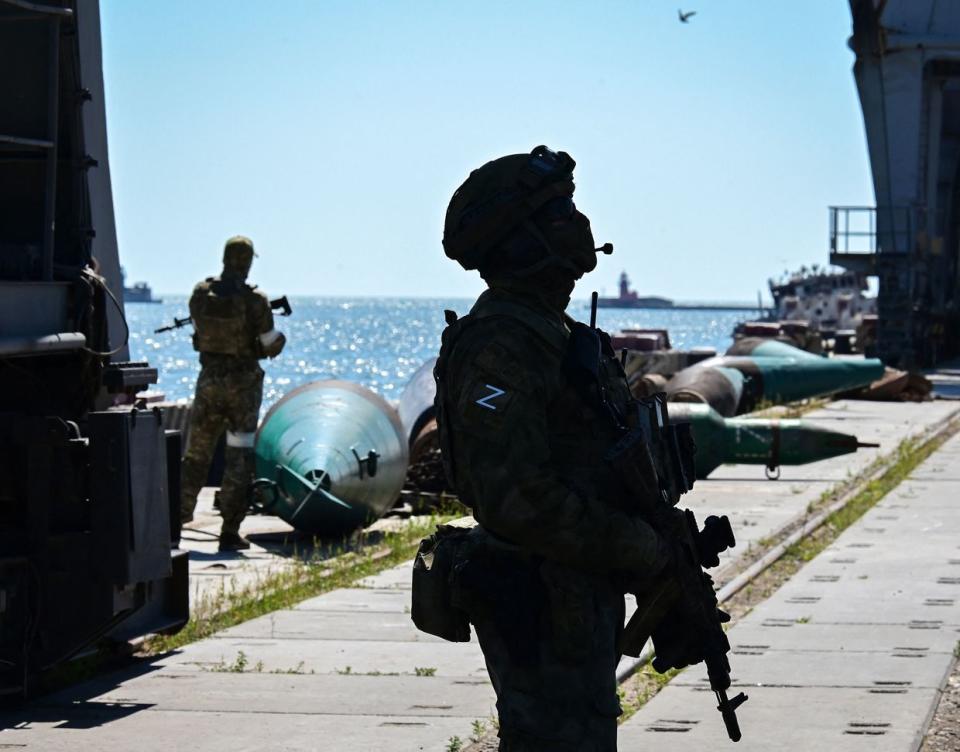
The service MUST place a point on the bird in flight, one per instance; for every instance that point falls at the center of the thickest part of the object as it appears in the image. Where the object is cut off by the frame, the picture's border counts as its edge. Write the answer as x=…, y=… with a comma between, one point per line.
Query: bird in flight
x=685, y=17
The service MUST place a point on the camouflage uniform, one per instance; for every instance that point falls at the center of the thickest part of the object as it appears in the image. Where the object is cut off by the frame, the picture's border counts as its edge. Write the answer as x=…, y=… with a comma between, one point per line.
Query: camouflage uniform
x=528, y=404
x=233, y=329
x=528, y=448
x=562, y=469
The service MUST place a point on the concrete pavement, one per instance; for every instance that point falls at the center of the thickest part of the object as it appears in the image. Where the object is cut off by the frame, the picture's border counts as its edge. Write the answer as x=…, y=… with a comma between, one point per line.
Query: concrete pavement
x=348, y=671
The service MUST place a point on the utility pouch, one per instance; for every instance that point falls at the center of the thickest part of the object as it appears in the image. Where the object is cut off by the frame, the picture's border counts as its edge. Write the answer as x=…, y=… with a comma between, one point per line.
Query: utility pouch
x=431, y=605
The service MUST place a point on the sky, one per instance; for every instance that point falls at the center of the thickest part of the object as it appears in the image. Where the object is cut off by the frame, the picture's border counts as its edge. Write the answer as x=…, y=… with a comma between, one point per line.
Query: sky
x=333, y=133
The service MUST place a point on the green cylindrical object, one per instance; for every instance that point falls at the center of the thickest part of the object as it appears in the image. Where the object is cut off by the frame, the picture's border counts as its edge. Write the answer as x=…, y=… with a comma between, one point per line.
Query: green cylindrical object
x=768, y=348
x=774, y=372
x=331, y=457
x=781, y=379
x=757, y=441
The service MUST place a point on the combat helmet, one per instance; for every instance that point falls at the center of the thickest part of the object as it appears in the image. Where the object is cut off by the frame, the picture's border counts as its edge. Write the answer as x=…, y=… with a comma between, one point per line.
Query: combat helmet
x=238, y=255
x=502, y=196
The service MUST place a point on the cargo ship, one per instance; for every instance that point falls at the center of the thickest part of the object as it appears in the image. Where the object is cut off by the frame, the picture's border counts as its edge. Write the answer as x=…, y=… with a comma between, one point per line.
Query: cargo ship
x=140, y=292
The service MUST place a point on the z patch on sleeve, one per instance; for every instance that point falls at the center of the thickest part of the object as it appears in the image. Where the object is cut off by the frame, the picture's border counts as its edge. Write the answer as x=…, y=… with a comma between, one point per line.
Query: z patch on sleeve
x=485, y=405
x=487, y=401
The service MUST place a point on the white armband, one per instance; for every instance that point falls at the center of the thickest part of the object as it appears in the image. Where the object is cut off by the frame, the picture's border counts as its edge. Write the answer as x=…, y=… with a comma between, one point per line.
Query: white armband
x=240, y=439
x=268, y=338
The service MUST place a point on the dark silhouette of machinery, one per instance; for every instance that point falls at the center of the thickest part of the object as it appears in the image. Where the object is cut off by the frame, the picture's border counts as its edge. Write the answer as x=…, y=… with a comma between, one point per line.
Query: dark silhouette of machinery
x=87, y=480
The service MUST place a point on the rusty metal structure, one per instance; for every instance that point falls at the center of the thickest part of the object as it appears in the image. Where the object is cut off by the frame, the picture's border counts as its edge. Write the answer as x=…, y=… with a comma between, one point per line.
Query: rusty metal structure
x=907, y=71
x=88, y=482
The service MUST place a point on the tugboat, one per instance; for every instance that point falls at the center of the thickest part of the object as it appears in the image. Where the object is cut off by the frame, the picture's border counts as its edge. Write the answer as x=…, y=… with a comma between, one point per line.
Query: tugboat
x=139, y=293
x=817, y=309
x=826, y=300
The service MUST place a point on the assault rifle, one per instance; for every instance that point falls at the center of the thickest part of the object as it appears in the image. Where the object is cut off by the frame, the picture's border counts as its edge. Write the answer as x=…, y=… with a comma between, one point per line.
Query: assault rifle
x=654, y=460
x=681, y=614
x=279, y=304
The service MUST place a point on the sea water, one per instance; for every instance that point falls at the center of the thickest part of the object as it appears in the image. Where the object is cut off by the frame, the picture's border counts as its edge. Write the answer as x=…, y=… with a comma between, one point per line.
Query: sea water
x=376, y=342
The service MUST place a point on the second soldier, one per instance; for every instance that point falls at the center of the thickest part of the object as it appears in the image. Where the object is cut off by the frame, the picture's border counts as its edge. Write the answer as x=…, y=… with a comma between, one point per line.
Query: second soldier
x=233, y=330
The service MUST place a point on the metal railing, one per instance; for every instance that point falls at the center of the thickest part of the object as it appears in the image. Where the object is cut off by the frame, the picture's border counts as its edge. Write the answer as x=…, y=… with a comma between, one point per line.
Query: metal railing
x=871, y=229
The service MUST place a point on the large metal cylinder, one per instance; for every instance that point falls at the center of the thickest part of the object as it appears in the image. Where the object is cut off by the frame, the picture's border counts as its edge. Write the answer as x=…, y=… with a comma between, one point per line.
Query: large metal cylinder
x=773, y=373
x=758, y=441
x=415, y=407
x=331, y=457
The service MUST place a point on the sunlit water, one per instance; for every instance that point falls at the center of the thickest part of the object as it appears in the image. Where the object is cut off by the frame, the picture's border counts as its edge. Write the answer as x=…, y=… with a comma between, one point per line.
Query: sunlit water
x=376, y=342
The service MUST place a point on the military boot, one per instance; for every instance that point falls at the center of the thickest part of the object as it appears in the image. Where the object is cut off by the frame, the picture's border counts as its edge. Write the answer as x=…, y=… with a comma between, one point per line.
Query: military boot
x=233, y=542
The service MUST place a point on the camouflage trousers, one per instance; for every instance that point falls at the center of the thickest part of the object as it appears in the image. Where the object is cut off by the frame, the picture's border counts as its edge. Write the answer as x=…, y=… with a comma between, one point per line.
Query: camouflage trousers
x=225, y=400
x=549, y=637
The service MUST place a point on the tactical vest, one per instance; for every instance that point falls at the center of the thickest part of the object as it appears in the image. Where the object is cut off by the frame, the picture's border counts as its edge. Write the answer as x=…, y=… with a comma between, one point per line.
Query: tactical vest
x=220, y=320
x=593, y=417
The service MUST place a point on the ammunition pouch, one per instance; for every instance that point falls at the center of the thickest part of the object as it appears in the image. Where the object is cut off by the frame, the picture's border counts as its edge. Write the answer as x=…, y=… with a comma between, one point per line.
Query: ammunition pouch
x=655, y=458
x=432, y=602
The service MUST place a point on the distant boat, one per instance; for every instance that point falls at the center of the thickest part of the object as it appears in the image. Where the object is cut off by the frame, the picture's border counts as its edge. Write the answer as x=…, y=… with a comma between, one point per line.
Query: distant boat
x=139, y=293
x=629, y=299
x=826, y=300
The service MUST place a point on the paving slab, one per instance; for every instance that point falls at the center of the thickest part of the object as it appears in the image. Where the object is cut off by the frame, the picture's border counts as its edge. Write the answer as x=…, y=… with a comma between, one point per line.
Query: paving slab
x=877, y=673
x=847, y=655
x=271, y=694
x=683, y=718
x=94, y=727
x=808, y=605
x=463, y=660
x=359, y=599
x=336, y=625
x=838, y=637
x=397, y=578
